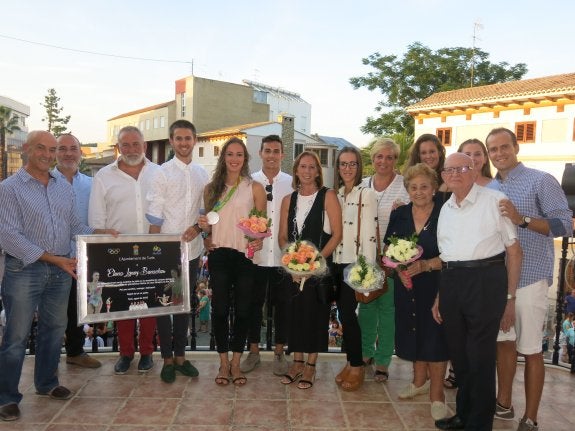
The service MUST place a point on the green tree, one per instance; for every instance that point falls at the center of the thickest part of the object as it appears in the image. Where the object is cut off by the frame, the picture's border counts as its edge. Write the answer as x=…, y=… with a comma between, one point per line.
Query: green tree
x=418, y=74
x=56, y=121
x=8, y=125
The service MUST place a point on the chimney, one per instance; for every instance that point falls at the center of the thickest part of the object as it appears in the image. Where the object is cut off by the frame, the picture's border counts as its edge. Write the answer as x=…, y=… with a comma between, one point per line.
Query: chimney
x=288, y=134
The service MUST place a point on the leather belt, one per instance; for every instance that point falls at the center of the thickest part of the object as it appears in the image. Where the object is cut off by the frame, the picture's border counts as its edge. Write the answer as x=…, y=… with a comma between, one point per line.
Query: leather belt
x=497, y=260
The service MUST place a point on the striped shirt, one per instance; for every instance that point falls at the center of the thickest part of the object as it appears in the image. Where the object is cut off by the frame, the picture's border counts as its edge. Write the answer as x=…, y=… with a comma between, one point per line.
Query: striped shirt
x=35, y=219
x=385, y=200
x=536, y=194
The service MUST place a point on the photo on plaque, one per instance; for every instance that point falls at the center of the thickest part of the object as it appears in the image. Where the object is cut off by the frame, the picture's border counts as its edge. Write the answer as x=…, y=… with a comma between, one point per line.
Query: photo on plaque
x=131, y=276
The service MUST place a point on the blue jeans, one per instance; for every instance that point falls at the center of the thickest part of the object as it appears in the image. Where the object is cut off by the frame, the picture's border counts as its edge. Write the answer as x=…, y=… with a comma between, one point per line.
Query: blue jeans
x=41, y=286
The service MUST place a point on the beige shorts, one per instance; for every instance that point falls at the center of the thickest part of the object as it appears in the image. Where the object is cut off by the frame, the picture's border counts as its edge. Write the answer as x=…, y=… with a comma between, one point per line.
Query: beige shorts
x=531, y=305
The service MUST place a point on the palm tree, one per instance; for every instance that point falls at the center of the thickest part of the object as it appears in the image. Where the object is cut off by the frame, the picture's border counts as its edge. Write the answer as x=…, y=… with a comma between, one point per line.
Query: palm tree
x=8, y=125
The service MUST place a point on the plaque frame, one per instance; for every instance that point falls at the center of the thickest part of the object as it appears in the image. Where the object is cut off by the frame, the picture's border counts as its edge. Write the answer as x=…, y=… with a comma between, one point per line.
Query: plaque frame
x=135, y=278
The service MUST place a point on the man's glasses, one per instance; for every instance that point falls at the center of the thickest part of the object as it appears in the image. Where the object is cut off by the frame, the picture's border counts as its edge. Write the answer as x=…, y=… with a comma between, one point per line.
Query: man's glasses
x=351, y=165
x=459, y=170
x=269, y=189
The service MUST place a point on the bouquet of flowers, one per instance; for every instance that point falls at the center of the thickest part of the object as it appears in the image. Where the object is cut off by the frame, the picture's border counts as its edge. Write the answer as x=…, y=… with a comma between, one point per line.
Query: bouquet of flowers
x=363, y=277
x=302, y=259
x=255, y=226
x=400, y=253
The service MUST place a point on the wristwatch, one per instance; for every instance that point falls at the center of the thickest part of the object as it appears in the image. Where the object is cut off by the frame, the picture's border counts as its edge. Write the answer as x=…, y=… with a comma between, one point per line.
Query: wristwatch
x=526, y=221
x=510, y=296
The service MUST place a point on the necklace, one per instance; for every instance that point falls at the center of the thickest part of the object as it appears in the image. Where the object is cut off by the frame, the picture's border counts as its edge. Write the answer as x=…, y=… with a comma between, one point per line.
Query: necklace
x=306, y=203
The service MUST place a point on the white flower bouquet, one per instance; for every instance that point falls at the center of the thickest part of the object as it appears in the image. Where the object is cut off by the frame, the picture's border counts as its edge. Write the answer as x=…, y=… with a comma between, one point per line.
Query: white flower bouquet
x=402, y=252
x=363, y=277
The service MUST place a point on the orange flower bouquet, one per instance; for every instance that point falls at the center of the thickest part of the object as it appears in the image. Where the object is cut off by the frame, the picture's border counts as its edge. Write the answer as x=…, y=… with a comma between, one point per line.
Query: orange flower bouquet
x=255, y=226
x=303, y=260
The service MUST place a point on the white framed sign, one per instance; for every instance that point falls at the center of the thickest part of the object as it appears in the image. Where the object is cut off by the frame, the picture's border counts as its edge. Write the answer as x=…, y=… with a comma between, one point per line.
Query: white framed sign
x=131, y=276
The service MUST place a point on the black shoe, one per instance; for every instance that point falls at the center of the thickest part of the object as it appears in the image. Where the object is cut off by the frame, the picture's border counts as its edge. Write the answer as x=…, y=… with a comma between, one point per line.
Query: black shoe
x=122, y=365
x=452, y=423
x=9, y=412
x=145, y=364
x=58, y=393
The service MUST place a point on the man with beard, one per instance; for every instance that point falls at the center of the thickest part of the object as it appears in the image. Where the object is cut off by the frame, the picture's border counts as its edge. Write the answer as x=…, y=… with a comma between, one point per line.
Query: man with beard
x=118, y=201
x=68, y=157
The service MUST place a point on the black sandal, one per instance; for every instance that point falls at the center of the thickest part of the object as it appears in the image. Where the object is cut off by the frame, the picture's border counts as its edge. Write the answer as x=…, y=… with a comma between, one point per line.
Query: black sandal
x=307, y=384
x=450, y=382
x=380, y=376
x=292, y=377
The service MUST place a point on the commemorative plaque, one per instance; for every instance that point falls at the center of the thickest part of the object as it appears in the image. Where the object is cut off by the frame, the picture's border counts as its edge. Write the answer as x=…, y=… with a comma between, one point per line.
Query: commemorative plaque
x=131, y=276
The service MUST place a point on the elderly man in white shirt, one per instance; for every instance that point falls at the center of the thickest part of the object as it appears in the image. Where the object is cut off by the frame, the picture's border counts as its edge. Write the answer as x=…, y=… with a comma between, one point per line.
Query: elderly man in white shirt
x=118, y=201
x=481, y=265
x=175, y=200
x=269, y=277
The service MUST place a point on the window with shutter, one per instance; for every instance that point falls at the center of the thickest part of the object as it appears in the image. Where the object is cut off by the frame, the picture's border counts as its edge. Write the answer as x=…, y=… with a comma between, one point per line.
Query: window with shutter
x=525, y=132
x=444, y=136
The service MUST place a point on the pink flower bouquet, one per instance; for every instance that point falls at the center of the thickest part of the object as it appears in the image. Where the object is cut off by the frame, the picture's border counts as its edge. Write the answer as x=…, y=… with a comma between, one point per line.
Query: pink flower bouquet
x=255, y=226
x=303, y=260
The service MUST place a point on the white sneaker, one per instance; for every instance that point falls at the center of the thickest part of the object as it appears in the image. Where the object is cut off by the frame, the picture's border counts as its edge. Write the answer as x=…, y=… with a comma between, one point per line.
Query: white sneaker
x=438, y=410
x=411, y=391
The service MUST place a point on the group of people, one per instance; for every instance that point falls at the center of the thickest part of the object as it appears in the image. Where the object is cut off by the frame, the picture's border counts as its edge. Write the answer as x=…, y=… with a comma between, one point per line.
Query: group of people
x=476, y=296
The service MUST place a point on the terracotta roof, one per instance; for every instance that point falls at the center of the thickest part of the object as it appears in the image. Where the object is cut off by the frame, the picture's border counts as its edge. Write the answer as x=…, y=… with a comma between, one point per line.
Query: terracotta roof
x=527, y=89
x=139, y=111
x=234, y=129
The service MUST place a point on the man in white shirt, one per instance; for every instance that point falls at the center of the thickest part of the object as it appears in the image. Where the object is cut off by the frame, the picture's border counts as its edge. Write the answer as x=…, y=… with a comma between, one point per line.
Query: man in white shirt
x=481, y=265
x=175, y=199
x=118, y=201
x=68, y=158
x=269, y=276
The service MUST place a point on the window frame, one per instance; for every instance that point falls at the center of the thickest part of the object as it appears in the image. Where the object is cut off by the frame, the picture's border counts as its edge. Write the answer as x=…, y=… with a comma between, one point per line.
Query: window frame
x=440, y=132
x=522, y=132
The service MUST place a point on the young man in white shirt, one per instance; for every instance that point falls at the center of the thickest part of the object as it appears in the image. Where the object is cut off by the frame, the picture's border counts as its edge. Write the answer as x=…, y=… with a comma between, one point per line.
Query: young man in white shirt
x=175, y=199
x=118, y=201
x=269, y=276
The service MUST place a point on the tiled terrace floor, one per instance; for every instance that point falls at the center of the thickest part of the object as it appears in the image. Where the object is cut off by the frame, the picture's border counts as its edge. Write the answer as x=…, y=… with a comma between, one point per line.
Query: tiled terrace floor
x=106, y=402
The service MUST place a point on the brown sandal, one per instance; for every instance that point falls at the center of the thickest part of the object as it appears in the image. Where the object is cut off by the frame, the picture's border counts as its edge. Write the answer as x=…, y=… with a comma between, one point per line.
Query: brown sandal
x=239, y=379
x=353, y=382
x=222, y=380
x=289, y=378
x=342, y=374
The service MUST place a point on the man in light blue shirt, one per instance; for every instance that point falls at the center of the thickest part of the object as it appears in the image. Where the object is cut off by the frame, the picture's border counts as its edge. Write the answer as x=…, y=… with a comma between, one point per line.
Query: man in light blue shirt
x=68, y=157
x=538, y=206
x=37, y=222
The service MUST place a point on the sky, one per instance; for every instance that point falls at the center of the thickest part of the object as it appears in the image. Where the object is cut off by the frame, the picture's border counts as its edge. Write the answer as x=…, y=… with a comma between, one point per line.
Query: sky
x=311, y=47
